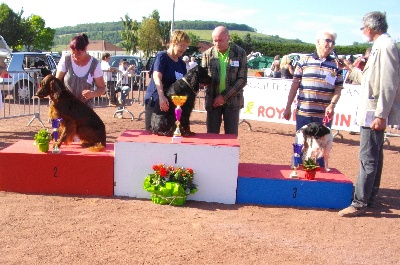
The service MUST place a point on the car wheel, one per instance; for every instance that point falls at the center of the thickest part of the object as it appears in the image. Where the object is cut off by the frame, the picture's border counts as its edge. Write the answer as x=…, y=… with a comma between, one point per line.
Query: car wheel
x=23, y=90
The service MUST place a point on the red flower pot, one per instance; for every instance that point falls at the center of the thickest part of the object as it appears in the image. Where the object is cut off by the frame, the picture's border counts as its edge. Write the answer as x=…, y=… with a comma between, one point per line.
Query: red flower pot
x=310, y=174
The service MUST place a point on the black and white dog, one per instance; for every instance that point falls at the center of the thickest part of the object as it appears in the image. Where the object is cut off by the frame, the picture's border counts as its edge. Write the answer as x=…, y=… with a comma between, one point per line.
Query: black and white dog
x=317, y=140
x=163, y=123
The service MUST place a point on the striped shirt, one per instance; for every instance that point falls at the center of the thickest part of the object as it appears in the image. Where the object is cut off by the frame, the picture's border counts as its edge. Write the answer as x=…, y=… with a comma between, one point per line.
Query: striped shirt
x=318, y=80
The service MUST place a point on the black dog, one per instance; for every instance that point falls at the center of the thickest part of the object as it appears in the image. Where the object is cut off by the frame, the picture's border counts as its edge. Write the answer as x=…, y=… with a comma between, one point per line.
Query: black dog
x=163, y=123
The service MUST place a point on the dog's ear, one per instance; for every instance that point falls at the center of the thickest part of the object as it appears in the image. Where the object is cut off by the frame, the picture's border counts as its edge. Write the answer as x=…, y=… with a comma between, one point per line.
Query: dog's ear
x=55, y=89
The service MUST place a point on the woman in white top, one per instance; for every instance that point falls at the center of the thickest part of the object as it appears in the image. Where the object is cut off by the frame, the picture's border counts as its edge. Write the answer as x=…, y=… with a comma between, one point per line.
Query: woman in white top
x=123, y=80
x=80, y=72
x=108, y=77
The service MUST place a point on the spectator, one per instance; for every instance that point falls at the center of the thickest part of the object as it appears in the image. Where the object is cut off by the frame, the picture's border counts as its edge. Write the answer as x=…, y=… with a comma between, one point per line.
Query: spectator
x=79, y=71
x=320, y=91
x=276, y=67
x=165, y=70
x=108, y=78
x=361, y=61
x=186, y=60
x=224, y=96
x=379, y=105
x=192, y=62
x=123, y=82
x=286, y=67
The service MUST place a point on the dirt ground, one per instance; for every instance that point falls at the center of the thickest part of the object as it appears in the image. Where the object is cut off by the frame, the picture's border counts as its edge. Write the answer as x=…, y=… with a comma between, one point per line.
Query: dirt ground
x=55, y=229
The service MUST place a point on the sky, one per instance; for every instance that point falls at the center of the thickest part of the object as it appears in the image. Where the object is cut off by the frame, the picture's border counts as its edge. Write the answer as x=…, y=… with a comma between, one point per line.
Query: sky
x=292, y=19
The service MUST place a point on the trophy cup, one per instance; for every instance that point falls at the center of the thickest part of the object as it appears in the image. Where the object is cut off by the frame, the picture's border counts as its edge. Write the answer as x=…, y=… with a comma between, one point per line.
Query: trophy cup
x=55, y=123
x=178, y=101
x=296, y=159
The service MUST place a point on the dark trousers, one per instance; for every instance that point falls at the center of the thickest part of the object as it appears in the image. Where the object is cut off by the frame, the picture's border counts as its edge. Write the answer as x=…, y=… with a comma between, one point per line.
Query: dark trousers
x=111, y=91
x=230, y=116
x=371, y=163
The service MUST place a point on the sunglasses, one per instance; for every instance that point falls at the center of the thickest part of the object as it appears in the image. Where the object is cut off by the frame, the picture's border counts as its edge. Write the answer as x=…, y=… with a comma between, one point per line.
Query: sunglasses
x=330, y=41
x=362, y=28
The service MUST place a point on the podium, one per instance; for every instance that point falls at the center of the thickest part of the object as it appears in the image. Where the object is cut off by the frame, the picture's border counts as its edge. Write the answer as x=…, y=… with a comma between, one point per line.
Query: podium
x=213, y=157
x=75, y=171
x=271, y=185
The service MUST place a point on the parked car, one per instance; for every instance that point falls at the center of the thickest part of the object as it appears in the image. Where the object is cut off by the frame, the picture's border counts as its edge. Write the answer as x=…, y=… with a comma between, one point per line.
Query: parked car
x=24, y=72
x=134, y=60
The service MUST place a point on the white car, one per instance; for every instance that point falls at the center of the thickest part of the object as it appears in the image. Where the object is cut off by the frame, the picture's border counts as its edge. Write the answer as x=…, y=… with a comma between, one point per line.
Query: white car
x=21, y=72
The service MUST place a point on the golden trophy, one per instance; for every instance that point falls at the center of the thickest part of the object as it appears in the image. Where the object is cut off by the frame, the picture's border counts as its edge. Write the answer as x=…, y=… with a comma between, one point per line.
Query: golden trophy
x=178, y=101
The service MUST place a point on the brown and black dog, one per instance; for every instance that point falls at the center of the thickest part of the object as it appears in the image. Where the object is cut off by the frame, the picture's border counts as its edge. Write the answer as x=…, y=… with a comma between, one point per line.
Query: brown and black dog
x=78, y=119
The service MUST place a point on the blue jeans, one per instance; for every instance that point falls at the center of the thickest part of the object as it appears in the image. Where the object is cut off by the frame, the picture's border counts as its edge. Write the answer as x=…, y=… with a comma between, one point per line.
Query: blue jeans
x=124, y=95
x=302, y=120
x=371, y=163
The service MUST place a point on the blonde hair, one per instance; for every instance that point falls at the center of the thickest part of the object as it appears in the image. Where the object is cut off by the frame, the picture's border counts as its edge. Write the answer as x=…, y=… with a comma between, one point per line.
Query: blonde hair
x=179, y=36
x=285, y=60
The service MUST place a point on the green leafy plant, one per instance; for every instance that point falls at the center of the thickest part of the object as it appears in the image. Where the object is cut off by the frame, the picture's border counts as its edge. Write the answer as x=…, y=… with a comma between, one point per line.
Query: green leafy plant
x=163, y=174
x=42, y=137
x=310, y=165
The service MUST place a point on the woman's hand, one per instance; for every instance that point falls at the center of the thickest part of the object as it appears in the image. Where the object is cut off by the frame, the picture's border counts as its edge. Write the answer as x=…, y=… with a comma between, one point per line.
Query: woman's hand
x=164, y=104
x=88, y=94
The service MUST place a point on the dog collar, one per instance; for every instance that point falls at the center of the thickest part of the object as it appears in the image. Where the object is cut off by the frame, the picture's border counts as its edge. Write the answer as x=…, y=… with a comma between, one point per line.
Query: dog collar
x=184, y=79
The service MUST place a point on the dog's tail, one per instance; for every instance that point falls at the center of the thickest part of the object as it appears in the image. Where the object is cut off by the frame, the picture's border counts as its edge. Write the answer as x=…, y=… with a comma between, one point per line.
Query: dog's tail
x=97, y=147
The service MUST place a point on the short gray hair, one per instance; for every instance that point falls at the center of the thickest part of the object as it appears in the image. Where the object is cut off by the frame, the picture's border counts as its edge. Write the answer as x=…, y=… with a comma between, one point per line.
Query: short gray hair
x=321, y=33
x=376, y=21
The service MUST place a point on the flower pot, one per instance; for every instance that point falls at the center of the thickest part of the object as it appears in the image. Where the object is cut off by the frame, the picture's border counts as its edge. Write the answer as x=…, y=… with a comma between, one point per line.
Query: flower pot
x=172, y=193
x=43, y=147
x=310, y=174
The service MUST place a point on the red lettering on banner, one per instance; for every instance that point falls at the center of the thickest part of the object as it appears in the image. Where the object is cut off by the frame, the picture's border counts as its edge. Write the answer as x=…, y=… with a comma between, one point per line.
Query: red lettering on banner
x=270, y=112
x=261, y=111
x=342, y=119
x=280, y=111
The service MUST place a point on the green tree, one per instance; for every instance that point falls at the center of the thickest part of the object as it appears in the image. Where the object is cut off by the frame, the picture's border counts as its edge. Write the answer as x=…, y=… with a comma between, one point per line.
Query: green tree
x=11, y=26
x=36, y=35
x=149, y=36
x=236, y=39
x=194, y=39
x=129, y=36
x=247, y=43
x=165, y=31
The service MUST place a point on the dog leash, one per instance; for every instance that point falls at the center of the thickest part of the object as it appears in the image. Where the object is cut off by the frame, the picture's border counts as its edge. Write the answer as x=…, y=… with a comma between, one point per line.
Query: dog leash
x=184, y=79
x=326, y=119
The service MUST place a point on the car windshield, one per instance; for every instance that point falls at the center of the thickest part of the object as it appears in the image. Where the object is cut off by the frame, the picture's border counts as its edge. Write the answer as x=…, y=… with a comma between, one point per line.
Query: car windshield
x=133, y=60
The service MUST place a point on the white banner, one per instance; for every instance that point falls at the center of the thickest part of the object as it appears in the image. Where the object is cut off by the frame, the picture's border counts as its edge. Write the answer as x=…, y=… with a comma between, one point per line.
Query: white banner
x=265, y=100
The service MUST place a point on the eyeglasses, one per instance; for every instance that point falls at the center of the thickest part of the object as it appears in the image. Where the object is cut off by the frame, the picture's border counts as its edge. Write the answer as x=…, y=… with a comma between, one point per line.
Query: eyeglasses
x=330, y=41
x=362, y=28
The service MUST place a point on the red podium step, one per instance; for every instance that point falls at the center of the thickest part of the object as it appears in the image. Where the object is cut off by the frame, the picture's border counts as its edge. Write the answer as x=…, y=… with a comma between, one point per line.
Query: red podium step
x=75, y=171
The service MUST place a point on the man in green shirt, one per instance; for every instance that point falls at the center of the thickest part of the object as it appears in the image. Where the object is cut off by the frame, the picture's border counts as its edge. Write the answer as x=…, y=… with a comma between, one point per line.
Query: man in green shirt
x=227, y=66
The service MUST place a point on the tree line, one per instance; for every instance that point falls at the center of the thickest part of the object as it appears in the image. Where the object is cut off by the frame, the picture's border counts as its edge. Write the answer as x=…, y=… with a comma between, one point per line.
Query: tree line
x=150, y=34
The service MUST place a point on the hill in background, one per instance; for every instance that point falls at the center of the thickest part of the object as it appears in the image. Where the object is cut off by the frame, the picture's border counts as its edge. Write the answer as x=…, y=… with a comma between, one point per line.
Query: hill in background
x=110, y=32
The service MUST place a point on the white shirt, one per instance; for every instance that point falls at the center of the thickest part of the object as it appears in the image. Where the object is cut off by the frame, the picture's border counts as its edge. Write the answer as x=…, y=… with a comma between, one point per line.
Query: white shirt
x=80, y=71
x=105, y=66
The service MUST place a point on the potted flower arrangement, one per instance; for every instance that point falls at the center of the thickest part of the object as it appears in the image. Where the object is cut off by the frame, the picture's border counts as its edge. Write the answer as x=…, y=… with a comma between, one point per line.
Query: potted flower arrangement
x=170, y=185
x=311, y=167
x=42, y=140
